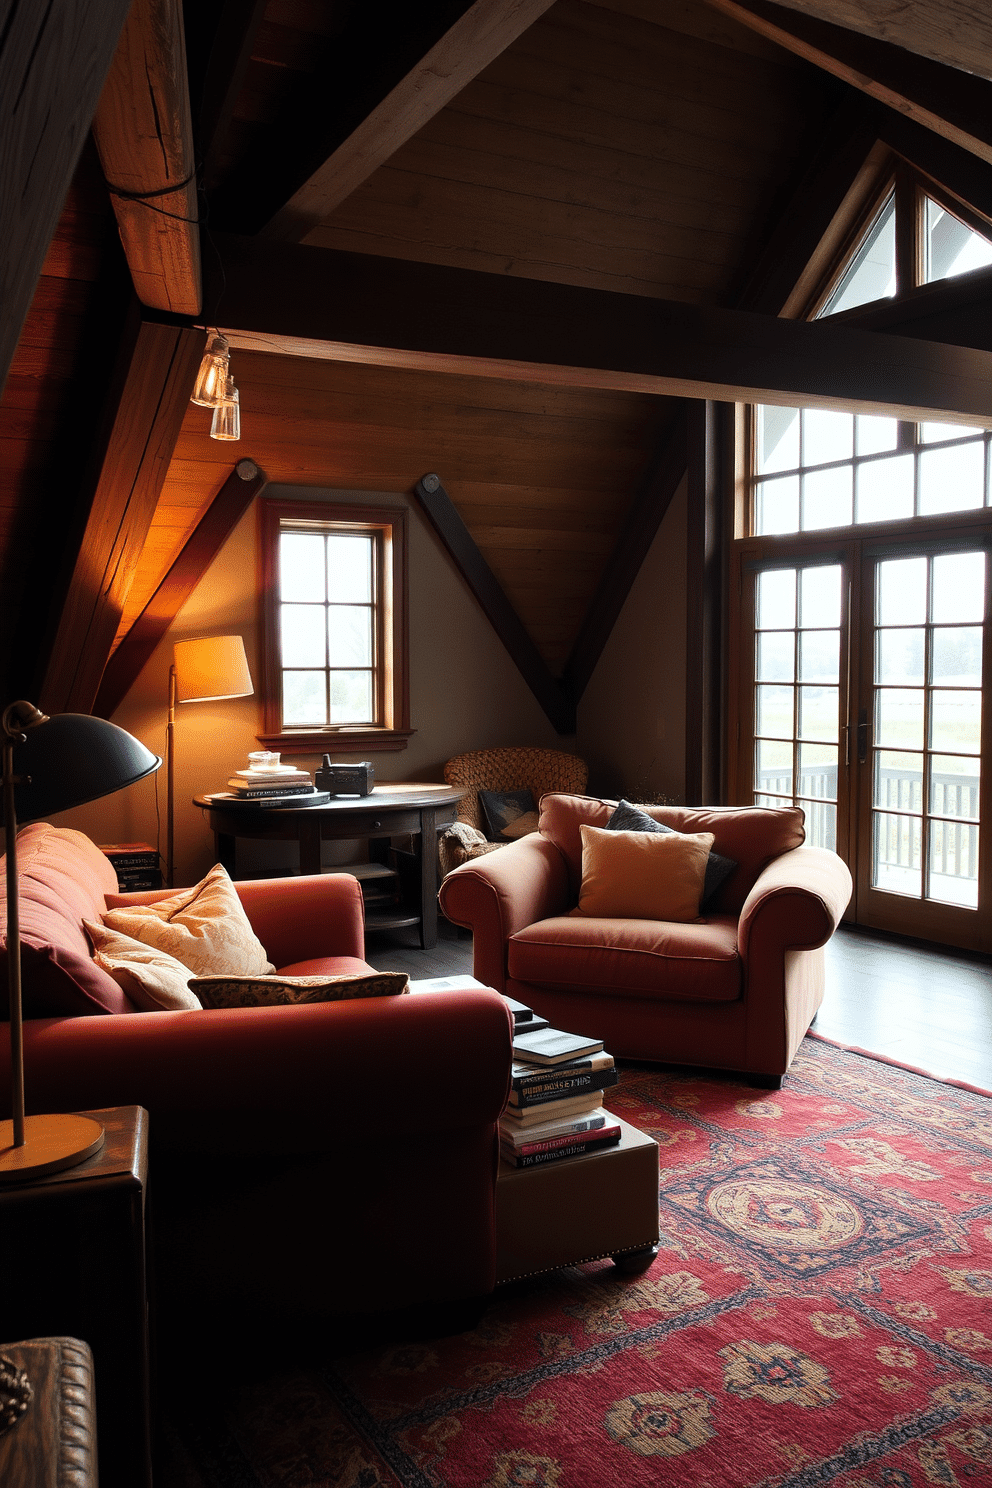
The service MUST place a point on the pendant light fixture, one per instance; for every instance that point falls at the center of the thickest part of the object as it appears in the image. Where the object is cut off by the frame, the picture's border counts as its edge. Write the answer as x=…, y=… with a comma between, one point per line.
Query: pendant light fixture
x=215, y=369
x=226, y=422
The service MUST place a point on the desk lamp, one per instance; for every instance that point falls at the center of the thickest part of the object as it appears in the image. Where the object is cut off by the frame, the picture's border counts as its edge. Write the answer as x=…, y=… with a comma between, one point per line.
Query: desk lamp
x=49, y=765
x=202, y=671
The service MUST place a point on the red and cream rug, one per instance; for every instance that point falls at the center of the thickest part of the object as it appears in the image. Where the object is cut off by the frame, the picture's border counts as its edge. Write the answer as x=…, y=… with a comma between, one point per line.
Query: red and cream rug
x=820, y=1313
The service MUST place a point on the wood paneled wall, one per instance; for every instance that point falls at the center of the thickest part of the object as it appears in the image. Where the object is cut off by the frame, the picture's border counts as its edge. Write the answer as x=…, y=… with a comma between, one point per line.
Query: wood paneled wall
x=542, y=476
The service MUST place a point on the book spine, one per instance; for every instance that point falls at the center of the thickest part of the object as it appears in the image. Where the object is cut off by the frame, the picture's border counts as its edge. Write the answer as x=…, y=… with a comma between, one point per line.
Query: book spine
x=265, y=791
x=530, y=1092
x=523, y=1139
x=137, y=860
x=574, y=1149
x=567, y=1139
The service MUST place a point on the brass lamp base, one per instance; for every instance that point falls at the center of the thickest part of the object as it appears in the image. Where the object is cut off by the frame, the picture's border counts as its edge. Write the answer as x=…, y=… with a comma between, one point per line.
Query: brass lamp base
x=51, y=1143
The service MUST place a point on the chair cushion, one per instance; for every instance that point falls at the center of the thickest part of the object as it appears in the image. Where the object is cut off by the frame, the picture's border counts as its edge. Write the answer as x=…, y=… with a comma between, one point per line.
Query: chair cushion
x=753, y=836
x=63, y=878
x=631, y=958
x=653, y=875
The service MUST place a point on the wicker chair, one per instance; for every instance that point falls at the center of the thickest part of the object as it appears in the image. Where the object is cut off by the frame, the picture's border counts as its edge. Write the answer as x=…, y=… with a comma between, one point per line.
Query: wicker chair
x=536, y=770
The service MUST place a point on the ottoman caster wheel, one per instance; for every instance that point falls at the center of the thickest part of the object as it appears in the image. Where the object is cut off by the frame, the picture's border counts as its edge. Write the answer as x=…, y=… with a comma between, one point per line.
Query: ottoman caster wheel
x=634, y=1262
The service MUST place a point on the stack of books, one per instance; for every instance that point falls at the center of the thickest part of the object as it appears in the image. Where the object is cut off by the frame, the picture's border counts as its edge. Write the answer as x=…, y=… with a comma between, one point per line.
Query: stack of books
x=284, y=785
x=136, y=865
x=557, y=1082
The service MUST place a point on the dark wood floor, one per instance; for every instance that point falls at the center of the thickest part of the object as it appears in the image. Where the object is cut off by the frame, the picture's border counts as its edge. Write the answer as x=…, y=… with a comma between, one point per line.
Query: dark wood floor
x=920, y=1005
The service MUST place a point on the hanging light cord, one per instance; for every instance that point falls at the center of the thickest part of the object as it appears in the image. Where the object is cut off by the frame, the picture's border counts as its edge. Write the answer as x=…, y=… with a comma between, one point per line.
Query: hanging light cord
x=143, y=198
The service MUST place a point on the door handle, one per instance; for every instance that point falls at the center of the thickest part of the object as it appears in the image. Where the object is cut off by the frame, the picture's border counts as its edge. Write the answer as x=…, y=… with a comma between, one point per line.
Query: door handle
x=863, y=727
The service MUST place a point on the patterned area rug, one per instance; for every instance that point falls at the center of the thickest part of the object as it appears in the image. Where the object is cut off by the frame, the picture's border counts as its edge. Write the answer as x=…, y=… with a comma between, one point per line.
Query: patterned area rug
x=820, y=1313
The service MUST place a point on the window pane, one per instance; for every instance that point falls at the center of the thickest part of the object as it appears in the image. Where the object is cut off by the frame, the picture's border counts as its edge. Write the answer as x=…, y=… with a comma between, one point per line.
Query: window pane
x=776, y=599
x=885, y=490
x=875, y=433
x=902, y=592
x=949, y=247
x=821, y=824
x=773, y=767
x=934, y=433
x=777, y=506
x=958, y=588
x=899, y=718
x=827, y=436
x=351, y=697
x=776, y=656
x=953, y=876
x=952, y=479
x=956, y=656
x=773, y=712
x=897, y=858
x=872, y=273
x=303, y=635
x=304, y=698
x=955, y=720
x=899, y=656
x=818, y=713
x=819, y=656
x=777, y=802
x=899, y=781
x=349, y=567
x=819, y=596
x=777, y=439
x=954, y=786
x=828, y=499
x=301, y=566
x=349, y=636
x=818, y=771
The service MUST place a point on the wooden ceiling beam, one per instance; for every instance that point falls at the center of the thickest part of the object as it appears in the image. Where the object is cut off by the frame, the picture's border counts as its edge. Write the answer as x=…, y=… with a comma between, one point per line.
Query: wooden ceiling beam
x=321, y=303
x=955, y=105
x=245, y=482
x=155, y=378
x=957, y=33
x=53, y=61
x=144, y=136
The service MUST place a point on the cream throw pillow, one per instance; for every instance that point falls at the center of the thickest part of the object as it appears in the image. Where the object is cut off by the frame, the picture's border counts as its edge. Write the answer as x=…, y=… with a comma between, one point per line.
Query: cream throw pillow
x=642, y=875
x=204, y=927
x=246, y=991
x=153, y=980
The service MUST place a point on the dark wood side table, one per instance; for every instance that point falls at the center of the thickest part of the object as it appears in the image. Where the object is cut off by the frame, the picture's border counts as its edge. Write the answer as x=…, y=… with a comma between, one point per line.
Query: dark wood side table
x=390, y=811
x=73, y=1258
x=54, y=1443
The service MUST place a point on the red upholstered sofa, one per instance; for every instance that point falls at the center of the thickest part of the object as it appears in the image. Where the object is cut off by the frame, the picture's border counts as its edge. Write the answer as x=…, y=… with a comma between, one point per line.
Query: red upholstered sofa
x=736, y=990
x=333, y=1157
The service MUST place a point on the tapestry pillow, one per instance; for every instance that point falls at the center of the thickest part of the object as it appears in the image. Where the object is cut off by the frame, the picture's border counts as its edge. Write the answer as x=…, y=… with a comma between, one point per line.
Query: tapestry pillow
x=628, y=818
x=154, y=981
x=642, y=875
x=500, y=809
x=270, y=991
x=204, y=927
x=522, y=826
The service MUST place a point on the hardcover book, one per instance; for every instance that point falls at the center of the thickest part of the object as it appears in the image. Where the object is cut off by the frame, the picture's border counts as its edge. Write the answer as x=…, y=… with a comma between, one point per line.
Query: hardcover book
x=553, y=1046
x=561, y=1087
x=536, y=1138
x=573, y=1149
x=551, y=1110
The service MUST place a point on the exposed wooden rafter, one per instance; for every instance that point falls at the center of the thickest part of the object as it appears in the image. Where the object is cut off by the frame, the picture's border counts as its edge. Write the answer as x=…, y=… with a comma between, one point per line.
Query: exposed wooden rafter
x=157, y=370
x=233, y=499
x=53, y=60
x=955, y=32
x=230, y=54
x=955, y=105
x=144, y=136
x=359, y=308
x=557, y=700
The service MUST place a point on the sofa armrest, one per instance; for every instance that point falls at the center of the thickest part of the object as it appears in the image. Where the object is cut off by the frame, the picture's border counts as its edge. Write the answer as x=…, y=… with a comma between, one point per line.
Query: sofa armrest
x=798, y=900
x=282, y=1079
x=497, y=895
x=296, y=919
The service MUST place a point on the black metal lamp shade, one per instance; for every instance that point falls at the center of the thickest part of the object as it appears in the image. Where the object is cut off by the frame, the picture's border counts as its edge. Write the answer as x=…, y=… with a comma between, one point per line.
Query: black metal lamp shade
x=73, y=758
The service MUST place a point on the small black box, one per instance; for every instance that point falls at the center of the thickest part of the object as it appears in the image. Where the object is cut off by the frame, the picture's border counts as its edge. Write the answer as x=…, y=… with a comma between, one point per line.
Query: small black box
x=345, y=780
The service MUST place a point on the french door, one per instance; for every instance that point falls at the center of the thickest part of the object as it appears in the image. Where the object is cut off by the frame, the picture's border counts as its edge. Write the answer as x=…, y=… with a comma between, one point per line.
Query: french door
x=864, y=686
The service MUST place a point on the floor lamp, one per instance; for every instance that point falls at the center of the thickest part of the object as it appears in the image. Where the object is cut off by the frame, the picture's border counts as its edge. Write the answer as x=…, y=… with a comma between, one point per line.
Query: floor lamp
x=202, y=671
x=49, y=765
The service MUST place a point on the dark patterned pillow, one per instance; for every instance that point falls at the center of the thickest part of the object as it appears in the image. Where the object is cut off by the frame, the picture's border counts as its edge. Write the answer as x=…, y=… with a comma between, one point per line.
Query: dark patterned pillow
x=270, y=991
x=500, y=809
x=628, y=818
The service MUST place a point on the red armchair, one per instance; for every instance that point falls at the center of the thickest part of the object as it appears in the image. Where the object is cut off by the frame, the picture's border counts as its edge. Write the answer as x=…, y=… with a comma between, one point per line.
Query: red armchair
x=332, y=1157
x=737, y=990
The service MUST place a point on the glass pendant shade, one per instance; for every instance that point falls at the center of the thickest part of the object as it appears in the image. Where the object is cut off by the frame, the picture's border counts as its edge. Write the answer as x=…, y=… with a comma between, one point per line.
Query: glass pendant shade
x=226, y=422
x=211, y=380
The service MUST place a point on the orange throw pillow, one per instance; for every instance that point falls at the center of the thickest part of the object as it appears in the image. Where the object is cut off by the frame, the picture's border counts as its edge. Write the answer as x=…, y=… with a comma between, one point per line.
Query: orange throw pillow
x=642, y=875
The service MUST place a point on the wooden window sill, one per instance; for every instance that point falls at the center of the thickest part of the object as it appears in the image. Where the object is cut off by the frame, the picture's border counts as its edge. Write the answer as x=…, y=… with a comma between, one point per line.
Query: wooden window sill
x=337, y=741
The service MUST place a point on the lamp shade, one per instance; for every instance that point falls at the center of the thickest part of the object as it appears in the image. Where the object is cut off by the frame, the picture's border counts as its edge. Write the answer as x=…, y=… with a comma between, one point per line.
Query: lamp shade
x=71, y=759
x=212, y=667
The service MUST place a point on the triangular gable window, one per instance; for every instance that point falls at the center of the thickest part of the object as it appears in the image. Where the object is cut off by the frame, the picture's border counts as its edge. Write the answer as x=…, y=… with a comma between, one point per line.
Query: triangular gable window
x=949, y=247
x=871, y=272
